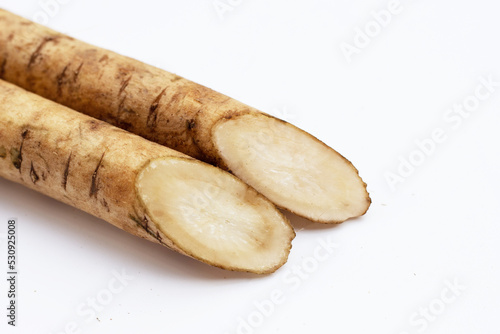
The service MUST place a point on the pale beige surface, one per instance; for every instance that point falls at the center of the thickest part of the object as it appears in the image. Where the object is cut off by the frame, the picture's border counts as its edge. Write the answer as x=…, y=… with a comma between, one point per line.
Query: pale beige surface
x=292, y=168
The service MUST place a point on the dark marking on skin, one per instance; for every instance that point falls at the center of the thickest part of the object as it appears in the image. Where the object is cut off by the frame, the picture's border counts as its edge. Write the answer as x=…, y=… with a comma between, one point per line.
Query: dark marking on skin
x=190, y=124
x=60, y=78
x=192, y=137
x=2, y=67
x=36, y=54
x=103, y=58
x=66, y=171
x=124, y=85
x=17, y=155
x=145, y=226
x=105, y=204
x=122, y=109
x=94, y=185
x=141, y=222
x=15, y=158
x=77, y=72
x=124, y=125
x=11, y=37
x=145, y=222
x=33, y=174
x=153, y=110
x=233, y=113
x=3, y=152
x=94, y=124
x=135, y=219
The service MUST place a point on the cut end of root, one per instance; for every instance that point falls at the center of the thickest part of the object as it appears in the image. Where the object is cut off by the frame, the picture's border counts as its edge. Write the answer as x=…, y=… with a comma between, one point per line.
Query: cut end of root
x=214, y=217
x=292, y=168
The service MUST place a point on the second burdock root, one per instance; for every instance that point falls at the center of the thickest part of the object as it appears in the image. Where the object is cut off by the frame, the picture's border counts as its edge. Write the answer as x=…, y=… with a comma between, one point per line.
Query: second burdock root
x=141, y=187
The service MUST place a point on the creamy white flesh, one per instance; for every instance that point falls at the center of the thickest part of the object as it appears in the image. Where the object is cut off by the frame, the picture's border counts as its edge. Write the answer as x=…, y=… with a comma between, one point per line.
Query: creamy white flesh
x=292, y=168
x=213, y=216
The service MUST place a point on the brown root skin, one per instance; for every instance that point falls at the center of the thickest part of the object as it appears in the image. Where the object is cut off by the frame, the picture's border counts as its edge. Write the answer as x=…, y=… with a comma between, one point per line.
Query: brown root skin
x=155, y=104
x=62, y=150
x=94, y=166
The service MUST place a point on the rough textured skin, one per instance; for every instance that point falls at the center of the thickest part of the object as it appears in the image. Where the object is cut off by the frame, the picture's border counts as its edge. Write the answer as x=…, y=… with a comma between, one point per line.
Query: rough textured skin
x=91, y=165
x=122, y=91
x=76, y=159
x=137, y=97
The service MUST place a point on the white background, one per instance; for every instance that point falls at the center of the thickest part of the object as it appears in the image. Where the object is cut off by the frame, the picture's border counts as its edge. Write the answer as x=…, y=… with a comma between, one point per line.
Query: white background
x=439, y=226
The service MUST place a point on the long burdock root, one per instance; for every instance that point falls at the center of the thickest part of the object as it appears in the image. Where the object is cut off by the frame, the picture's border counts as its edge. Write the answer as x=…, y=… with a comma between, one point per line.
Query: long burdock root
x=141, y=187
x=290, y=167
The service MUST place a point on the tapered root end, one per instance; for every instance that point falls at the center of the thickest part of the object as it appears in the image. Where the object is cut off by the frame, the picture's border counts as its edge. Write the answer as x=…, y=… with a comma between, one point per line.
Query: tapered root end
x=293, y=169
x=212, y=216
